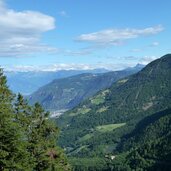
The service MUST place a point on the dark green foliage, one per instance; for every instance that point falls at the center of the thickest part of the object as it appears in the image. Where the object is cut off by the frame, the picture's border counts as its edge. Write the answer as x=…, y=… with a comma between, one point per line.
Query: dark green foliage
x=27, y=136
x=12, y=148
x=89, y=164
x=150, y=148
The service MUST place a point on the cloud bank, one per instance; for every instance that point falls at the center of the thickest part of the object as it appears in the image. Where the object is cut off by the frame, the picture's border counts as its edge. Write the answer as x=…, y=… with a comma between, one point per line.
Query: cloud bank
x=20, y=32
x=117, y=36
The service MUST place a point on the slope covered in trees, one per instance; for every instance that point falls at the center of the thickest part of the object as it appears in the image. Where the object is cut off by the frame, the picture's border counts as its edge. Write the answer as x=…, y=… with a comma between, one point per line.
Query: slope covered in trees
x=68, y=92
x=27, y=136
x=148, y=147
x=126, y=103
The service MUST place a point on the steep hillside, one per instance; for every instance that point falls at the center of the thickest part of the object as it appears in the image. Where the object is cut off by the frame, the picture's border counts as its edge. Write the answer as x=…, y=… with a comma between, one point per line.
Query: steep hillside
x=68, y=92
x=148, y=147
x=99, y=125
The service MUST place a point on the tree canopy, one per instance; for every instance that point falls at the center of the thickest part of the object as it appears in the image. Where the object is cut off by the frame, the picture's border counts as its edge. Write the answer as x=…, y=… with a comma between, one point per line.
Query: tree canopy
x=27, y=135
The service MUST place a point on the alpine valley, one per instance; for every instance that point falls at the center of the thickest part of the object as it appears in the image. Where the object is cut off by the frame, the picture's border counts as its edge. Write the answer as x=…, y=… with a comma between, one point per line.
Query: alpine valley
x=124, y=127
x=85, y=86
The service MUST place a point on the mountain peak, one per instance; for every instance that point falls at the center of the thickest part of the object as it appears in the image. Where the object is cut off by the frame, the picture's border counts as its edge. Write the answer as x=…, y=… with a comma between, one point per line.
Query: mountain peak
x=139, y=65
x=159, y=66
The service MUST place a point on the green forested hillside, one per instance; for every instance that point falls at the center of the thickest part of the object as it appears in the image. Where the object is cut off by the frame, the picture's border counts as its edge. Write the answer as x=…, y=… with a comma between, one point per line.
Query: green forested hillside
x=68, y=92
x=148, y=147
x=126, y=103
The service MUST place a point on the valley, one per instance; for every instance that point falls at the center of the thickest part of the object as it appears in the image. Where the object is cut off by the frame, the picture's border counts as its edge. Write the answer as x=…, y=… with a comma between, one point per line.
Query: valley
x=85, y=85
x=66, y=93
x=117, y=120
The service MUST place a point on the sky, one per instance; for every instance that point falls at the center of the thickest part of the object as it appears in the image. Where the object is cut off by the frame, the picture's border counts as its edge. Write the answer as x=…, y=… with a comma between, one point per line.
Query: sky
x=82, y=34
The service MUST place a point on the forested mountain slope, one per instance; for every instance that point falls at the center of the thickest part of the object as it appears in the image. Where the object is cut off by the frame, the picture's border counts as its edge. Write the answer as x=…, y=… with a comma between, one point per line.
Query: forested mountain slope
x=148, y=147
x=100, y=124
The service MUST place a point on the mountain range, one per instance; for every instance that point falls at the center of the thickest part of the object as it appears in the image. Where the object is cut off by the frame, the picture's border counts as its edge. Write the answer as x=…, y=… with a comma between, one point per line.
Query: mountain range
x=29, y=81
x=66, y=93
x=126, y=126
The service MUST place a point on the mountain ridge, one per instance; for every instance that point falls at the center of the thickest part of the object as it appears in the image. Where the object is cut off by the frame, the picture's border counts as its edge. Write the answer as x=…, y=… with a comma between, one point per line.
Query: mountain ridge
x=29, y=81
x=68, y=92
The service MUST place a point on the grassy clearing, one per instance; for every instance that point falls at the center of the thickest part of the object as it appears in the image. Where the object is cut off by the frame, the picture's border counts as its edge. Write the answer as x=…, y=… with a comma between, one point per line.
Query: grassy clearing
x=80, y=111
x=103, y=109
x=101, y=129
x=109, y=127
x=100, y=98
x=97, y=100
x=123, y=81
x=86, y=137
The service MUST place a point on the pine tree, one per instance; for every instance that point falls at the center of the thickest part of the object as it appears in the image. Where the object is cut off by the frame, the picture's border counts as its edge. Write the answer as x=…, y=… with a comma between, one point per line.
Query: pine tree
x=42, y=139
x=41, y=135
x=27, y=135
x=23, y=116
x=12, y=149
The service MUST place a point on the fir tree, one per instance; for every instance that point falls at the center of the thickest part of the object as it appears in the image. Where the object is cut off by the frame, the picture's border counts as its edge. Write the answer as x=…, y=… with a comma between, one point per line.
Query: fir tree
x=12, y=150
x=27, y=135
x=42, y=139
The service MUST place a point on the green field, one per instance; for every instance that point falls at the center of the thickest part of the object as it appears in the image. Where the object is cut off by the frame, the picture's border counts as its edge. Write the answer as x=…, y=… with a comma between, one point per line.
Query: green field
x=103, y=109
x=99, y=98
x=101, y=129
x=109, y=127
x=86, y=137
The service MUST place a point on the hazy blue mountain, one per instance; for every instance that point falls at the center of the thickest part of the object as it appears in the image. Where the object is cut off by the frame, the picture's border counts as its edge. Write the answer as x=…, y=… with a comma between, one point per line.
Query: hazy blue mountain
x=68, y=92
x=28, y=82
x=137, y=67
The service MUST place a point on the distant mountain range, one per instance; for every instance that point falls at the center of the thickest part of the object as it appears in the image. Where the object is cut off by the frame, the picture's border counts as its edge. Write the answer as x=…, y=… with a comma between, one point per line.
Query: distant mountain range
x=67, y=93
x=28, y=82
x=130, y=121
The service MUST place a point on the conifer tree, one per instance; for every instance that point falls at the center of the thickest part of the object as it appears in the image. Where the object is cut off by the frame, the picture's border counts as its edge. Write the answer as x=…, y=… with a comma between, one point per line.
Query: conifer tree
x=42, y=139
x=12, y=150
x=41, y=136
x=27, y=135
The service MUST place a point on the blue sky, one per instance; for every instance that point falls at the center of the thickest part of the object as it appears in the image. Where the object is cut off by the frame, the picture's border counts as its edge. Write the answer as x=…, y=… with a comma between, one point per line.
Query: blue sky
x=79, y=34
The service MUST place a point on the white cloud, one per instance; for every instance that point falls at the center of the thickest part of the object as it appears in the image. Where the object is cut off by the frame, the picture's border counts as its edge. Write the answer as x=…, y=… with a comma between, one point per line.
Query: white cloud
x=72, y=66
x=20, y=32
x=53, y=67
x=117, y=36
x=122, y=63
x=147, y=59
